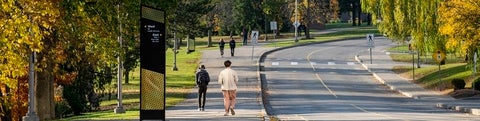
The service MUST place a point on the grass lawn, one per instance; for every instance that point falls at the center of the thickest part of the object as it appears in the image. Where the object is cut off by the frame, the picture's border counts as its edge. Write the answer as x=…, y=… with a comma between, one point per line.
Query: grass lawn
x=431, y=78
x=429, y=75
x=179, y=83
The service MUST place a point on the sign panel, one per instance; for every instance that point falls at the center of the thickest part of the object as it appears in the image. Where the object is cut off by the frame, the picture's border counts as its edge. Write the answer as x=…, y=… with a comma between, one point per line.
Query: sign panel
x=370, y=38
x=296, y=24
x=439, y=56
x=254, y=37
x=273, y=25
x=152, y=64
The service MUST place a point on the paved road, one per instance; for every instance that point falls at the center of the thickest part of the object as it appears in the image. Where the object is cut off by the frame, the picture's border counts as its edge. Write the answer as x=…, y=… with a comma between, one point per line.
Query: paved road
x=324, y=82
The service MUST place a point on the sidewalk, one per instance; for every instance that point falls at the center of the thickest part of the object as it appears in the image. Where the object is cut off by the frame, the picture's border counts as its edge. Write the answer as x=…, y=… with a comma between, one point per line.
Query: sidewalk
x=381, y=69
x=249, y=102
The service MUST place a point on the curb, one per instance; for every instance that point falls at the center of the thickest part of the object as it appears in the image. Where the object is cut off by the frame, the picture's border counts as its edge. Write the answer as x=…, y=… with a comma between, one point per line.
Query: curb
x=464, y=109
x=383, y=81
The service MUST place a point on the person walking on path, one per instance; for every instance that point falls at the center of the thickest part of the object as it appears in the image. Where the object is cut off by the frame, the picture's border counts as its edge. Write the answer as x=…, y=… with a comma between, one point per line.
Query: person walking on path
x=221, y=44
x=232, y=46
x=202, y=80
x=228, y=80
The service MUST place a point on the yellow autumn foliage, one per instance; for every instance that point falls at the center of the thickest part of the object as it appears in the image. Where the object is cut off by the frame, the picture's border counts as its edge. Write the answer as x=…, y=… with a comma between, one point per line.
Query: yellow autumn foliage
x=460, y=23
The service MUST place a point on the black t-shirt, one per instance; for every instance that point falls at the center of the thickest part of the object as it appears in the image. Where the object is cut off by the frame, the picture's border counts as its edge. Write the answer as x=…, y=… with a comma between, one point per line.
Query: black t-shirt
x=232, y=43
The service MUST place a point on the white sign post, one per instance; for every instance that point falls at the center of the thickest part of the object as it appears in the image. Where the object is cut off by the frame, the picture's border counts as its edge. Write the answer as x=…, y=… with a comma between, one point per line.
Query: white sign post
x=370, y=43
x=254, y=38
x=296, y=24
x=273, y=27
x=370, y=38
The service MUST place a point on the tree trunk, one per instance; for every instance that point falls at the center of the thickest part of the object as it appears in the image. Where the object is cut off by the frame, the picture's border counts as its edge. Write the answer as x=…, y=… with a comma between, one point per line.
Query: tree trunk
x=359, y=10
x=127, y=75
x=307, y=25
x=354, y=22
x=354, y=16
x=4, y=107
x=44, y=90
x=369, y=19
x=209, y=38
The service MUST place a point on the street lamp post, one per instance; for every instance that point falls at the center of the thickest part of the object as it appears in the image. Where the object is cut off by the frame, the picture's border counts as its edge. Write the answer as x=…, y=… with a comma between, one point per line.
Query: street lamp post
x=31, y=114
x=296, y=20
x=119, y=108
x=174, y=50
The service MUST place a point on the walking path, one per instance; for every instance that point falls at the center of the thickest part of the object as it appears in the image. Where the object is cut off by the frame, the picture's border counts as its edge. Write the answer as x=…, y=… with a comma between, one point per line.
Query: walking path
x=249, y=102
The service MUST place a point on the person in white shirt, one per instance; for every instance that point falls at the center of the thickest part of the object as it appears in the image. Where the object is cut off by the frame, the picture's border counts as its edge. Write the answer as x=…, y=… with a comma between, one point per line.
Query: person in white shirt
x=228, y=80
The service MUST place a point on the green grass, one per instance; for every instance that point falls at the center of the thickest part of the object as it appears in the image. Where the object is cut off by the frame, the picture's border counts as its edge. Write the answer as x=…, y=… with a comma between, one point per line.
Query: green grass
x=106, y=115
x=431, y=78
x=355, y=33
x=340, y=25
x=401, y=54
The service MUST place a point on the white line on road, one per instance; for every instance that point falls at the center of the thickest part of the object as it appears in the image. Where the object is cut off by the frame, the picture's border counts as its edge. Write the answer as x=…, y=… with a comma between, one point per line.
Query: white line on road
x=294, y=63
x=275, y=63
x=331, y=63
x=301, y=117
x=351, y=63
x=325, y=85
x=387, y=116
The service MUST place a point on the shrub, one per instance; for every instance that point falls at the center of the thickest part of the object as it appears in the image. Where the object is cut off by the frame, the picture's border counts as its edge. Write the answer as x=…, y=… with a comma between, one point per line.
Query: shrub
x=62, y=109
x=476, y=84
x=458, y=84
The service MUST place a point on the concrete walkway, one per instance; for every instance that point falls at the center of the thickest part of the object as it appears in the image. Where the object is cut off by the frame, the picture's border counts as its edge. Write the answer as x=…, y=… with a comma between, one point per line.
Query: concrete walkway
x=249, y=102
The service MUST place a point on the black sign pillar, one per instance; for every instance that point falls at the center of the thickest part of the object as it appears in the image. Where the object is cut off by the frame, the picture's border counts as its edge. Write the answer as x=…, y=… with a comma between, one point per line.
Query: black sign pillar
x=152, y=64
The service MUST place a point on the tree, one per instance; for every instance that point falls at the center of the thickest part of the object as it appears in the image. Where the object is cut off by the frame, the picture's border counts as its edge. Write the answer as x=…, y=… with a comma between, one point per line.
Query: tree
x=129, y=19
x=223, y=12
x=351, y=6
x=461, y=25
x=27, y=27
x=400, y=20
x=247, y=14
x=314, y=12
x=187, y=17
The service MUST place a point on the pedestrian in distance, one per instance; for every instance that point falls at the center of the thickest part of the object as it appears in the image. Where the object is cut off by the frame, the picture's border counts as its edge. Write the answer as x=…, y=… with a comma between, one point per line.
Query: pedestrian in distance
x=232, y=46
x=221, y=44
x=202, y=79
x=228, y=80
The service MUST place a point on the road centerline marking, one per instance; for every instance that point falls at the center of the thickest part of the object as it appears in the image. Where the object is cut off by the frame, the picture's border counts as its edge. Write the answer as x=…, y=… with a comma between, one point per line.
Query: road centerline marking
x=366, y=111
x=325, y=85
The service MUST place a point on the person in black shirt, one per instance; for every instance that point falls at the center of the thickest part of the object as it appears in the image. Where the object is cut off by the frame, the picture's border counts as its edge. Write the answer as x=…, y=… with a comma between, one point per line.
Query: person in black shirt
x=221, y=44
x=232, y=46
x=202, y=79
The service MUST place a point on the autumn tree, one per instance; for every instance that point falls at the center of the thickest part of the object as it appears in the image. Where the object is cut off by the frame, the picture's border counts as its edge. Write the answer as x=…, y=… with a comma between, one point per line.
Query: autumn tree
x=314, y=12
x=28, y=26
x=401, y=20
x=460, y=23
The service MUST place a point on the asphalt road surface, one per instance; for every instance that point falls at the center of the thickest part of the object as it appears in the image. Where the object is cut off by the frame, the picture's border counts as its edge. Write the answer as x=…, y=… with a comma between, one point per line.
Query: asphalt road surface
x=324, y=82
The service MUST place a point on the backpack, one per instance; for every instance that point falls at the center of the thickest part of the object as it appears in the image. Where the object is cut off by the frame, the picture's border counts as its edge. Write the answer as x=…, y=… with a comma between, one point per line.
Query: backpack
x=203, y=78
